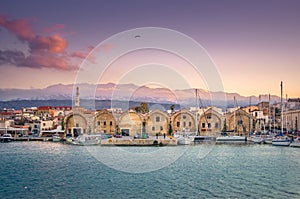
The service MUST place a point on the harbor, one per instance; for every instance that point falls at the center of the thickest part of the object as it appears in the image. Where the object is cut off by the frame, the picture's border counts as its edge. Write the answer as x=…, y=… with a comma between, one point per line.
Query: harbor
x=247, y=171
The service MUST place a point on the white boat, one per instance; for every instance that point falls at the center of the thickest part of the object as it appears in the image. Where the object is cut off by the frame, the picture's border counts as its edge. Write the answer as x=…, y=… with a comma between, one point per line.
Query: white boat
x=56, y=138
x=257, y=139
x=268, y=139
x=85, y=140
x=6, y=137
x=203, y=139
x=231, y=139
x=295, y=143
x=281, y=141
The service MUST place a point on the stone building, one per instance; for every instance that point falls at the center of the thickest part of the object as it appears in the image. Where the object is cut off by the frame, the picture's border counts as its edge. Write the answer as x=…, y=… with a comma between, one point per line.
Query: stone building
x=291, y=120
x=183, y=121
x=239, y=122
x=157, y=122
x=105, y=122
x=131, y=123
x=210, y=122
x=76, y=124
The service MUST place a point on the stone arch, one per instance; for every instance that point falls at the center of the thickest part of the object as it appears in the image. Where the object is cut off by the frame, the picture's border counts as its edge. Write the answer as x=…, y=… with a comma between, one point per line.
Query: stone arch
x=130, y=122
x=75, y=124
x=210, y=123
x=183, y=121
x=158, y=122
x=105, y=122
x=242, y=122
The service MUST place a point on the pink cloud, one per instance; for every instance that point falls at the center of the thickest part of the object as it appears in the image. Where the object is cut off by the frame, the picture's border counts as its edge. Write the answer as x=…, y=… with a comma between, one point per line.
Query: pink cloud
x=53, y=43
x=79, y=54
x=45, y=51
x=19, y=27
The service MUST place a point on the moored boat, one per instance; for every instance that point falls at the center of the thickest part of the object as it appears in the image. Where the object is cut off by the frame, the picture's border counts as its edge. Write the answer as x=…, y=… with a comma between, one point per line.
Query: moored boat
x=231, y=139
x=281, y=141
x=257, y=139
x=203, y=139
x=56, y=138
x=295, y=143
x=6, y=137
x=85, y=140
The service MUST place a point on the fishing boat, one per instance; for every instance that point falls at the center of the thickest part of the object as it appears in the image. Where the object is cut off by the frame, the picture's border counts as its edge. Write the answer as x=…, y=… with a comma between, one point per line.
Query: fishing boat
x=295, y=143
x=6, y=137
x=85, y=140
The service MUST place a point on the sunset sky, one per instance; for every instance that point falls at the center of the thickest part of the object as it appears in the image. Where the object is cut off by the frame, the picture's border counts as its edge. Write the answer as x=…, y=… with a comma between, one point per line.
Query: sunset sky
x=254, y=44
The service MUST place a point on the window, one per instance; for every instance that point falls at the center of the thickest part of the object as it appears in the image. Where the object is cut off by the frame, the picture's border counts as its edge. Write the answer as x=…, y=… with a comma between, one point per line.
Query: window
x=98, y=123
x=184, y=124
x=77, y=125
x=190, y=124
x=208, y=116
x=157, y=119
x=216, y=125
x=161, y=128
x=209, y=125
x=110, y=123
x=184, y=117
x=153, y=128
x=104, y=123
x=44, y=124
x=203, y=125
x=178, y=124
x=240, y=122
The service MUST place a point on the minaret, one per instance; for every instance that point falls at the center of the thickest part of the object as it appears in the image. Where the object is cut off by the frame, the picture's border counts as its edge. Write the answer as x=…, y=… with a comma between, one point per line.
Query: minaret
x=77, y=100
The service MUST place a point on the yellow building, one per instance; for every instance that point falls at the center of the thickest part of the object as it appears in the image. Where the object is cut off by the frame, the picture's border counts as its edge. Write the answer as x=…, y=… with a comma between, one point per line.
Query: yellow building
x=105, y=122
x=183, y=121
x=158, y=122
x=239, y=122
x=76, y=124
x=131, y=123
x=210, y=123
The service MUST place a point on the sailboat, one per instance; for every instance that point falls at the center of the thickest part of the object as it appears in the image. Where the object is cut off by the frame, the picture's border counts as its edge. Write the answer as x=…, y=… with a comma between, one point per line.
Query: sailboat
x=199, y=139
x=235, y=139
x=281, y=140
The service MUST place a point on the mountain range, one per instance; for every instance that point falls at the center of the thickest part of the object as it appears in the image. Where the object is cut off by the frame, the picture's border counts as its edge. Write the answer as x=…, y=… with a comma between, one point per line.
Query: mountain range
x=132, y=92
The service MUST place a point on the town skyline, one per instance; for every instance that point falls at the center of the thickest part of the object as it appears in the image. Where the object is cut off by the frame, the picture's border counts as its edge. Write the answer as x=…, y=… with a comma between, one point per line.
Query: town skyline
x=254, y=45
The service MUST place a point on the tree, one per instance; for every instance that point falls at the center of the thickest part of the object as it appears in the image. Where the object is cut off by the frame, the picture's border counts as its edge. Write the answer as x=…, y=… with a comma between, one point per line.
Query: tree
x=224, y=126
x=170, y=130
x=172, y=107
x=144, y=107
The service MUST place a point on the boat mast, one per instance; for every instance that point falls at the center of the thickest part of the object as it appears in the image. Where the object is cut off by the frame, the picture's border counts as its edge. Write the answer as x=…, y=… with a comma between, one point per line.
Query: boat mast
x=234, y=125
x=281, y=107
x=197, y=107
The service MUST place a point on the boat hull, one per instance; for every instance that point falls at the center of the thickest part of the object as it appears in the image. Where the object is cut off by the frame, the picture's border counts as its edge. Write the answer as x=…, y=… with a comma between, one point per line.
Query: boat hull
x=231, y=140
x=280, y=143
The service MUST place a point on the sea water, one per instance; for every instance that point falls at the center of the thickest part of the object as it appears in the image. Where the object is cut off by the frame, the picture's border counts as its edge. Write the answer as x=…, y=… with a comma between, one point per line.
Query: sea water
x=56, y=170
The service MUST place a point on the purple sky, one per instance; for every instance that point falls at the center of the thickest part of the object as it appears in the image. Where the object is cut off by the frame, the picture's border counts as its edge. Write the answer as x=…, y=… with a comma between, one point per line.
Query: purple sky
x=254, y=44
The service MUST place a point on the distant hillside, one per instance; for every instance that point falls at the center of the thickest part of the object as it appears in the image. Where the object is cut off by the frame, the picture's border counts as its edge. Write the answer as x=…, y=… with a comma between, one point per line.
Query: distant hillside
x=62, y=95
x=88, y=104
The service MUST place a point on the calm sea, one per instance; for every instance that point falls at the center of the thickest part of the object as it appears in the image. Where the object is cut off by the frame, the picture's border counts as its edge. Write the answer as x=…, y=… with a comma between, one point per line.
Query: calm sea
x=55, y=170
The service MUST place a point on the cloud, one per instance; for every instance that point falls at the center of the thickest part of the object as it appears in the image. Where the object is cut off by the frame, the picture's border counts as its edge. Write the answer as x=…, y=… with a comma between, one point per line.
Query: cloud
x=44, y=51
x=19, y=27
